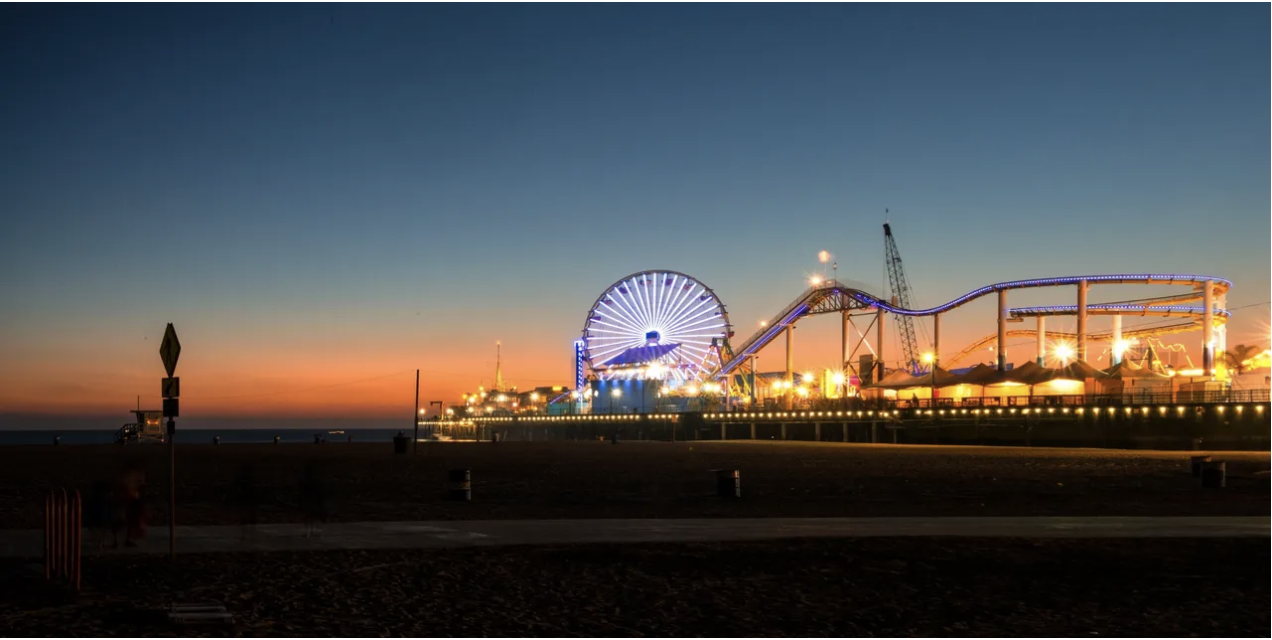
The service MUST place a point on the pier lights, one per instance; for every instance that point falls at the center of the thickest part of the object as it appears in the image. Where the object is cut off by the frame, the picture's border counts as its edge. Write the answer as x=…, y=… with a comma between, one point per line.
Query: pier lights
x=1063, y=352
x=929, y=359
x=1120, y=347
x=614, y=395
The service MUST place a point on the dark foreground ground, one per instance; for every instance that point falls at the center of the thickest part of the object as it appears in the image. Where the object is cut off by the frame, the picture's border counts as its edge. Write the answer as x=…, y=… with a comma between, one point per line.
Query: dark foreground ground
x=819, y=588
x=643, y=480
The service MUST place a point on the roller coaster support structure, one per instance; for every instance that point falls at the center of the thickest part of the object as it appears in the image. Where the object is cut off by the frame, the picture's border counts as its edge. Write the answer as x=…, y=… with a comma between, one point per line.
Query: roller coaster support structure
x=1042, y=341
x=879, y=344
x=1002, y=329
x=1083, y=287
x=1208, y=329
x=1115, y=350
x=790, y=364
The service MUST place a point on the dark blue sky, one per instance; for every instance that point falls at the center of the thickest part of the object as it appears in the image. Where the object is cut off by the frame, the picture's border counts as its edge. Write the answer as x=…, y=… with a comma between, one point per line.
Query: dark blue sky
x=332, y=170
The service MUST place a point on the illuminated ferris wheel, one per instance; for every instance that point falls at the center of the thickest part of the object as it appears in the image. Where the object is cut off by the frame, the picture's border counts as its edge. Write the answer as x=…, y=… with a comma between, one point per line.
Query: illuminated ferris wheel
x=655, y=325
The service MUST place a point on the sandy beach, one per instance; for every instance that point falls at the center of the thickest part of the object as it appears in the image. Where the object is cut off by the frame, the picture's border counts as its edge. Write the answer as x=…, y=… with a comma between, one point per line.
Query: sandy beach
x=822, y=588
x=643, y=480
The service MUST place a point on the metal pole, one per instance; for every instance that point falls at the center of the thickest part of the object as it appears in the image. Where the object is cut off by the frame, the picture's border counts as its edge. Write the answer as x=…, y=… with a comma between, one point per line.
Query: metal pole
x=1115, y=344
x=936, y=352
x=172, y=489
x=879, y=340
x=1042, y=341
x=1002, y=329
x=843, y=341
x=1082, y=320
x=790, y=360
x=415, y=447
x=1208, y=330
x=753, y=370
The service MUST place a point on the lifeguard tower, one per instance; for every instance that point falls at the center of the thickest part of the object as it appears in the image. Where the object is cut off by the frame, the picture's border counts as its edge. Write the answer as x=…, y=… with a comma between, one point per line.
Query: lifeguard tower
x=147, y=427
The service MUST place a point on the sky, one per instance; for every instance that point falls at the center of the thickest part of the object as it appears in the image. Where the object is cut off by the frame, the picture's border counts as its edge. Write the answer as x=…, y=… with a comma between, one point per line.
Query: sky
x=325, y=198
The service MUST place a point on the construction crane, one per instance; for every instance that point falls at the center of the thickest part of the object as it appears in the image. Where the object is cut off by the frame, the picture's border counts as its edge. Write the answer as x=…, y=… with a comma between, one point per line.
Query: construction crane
x=900, y=291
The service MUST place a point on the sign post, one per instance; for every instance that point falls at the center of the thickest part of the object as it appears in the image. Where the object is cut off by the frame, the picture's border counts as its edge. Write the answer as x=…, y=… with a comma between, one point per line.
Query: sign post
x=169, y=351
x=415, y=444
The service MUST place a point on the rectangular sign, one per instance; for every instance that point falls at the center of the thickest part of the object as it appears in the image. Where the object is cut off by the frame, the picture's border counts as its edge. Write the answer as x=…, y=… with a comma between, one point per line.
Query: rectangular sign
x=171, y=387
x=170, y=408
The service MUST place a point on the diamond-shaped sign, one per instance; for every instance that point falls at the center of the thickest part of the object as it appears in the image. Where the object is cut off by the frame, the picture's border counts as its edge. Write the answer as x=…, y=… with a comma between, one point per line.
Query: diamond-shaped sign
x=170, y=350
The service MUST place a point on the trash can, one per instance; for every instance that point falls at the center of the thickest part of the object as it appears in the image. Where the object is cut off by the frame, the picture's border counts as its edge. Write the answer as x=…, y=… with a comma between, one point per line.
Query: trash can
x=1214, y=474
x=1196, y=463
x=399, y=442
x=459, y=484
x=728, y=483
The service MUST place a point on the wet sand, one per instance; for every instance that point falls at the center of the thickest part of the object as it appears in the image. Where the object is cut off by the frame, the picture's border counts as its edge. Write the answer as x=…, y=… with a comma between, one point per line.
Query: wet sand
x=644, y=480
x=800, y=588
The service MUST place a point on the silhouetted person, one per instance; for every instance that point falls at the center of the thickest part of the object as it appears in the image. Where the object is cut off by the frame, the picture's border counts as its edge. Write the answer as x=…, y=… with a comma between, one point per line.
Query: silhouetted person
x=246, y=496
x=314, y=501
x=128, y=498
x=103, y=513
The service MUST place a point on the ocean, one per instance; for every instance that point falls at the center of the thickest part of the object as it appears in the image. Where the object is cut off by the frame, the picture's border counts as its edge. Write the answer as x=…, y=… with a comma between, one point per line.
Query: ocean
x=29, y=437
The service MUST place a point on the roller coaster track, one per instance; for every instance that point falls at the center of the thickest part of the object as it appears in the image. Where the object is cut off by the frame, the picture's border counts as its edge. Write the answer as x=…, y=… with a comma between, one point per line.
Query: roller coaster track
x=1147, y=332
x=835, y=296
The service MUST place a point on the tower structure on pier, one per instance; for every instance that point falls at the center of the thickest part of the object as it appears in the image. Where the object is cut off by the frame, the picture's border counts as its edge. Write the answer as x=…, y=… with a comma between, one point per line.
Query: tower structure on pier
x=499, y=386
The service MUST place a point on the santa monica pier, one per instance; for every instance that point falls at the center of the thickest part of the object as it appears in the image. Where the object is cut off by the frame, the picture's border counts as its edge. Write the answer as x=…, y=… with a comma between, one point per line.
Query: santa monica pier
x=657, y=358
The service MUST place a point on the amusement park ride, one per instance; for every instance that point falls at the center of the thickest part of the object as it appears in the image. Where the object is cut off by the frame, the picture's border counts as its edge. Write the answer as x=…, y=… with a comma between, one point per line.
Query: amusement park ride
x=670, y=329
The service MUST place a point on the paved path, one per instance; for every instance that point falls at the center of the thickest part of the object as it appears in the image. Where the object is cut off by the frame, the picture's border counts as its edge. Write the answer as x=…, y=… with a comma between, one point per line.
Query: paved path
x=460, y=533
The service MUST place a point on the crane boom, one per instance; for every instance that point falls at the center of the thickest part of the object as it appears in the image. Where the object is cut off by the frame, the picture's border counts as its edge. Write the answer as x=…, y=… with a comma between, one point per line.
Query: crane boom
x=901, y=290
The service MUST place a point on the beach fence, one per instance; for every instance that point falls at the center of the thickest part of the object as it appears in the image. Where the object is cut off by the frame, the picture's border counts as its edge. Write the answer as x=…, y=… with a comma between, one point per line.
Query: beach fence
x=63, y=527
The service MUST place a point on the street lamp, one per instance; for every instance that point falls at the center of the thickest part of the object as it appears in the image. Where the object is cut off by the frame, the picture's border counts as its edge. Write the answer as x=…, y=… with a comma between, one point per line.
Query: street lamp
x=614, y=394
